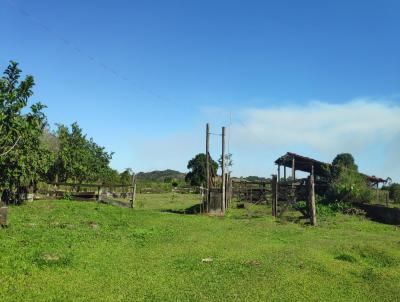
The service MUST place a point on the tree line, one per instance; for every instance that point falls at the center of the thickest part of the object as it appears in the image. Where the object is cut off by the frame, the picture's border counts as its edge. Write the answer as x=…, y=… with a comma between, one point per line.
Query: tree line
x=31, y=152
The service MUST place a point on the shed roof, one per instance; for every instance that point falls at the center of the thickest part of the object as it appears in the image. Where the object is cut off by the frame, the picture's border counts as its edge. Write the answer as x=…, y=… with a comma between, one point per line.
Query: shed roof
x=305, y=164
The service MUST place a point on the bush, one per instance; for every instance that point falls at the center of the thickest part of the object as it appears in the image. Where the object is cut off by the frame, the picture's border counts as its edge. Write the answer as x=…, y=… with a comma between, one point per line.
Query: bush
x=347, y=185
x=67, y=196
x=394, y=192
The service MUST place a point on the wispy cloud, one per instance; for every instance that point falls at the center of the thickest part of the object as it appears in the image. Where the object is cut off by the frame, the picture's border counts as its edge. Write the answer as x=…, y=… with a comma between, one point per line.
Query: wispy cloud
x=320, y=126
x=367, y=128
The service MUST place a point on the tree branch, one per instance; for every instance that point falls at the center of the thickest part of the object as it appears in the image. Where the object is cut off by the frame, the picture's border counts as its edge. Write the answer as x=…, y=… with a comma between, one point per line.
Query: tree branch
x=12, y=147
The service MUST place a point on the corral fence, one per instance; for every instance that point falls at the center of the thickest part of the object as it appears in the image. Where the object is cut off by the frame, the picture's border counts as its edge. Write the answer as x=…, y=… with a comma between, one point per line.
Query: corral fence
x=115, y=194
x=258, y=192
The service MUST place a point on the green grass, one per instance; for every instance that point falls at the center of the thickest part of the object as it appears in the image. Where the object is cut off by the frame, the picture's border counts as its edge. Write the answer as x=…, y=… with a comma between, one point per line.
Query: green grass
x=84, y=251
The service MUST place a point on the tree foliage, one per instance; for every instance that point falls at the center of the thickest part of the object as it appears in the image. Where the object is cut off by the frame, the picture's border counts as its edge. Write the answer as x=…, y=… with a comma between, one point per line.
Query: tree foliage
x=30, y=152
x=345, y=160
x=346, y=184
x=394, y=192
x=228, y=160
x=197, y=175
x=126, y=177
x=23, y=159
x=80, y=159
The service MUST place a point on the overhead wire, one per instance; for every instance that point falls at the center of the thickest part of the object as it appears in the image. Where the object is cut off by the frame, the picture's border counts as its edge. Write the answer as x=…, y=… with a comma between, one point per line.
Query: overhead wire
x=88, y=56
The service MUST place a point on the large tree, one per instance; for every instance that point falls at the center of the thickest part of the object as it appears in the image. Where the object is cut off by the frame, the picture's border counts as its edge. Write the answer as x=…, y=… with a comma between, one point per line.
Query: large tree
x=197, y=175
x=80, y=159
x=23, y=159
x=346, y=184
x=345, y=160
x=126, y=177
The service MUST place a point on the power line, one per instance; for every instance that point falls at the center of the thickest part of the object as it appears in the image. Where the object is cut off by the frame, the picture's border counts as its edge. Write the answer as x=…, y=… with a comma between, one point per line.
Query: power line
x=87, y=56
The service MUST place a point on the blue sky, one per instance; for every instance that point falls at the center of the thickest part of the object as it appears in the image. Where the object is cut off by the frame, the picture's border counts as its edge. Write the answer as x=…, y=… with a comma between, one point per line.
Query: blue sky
x=143, y=77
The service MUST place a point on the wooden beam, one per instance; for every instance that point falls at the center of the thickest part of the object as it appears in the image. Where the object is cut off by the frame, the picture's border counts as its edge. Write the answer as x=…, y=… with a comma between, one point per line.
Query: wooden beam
x=56, y=184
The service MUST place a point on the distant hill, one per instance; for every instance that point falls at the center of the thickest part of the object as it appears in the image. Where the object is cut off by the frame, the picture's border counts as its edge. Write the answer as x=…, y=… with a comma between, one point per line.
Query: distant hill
x=160, y=175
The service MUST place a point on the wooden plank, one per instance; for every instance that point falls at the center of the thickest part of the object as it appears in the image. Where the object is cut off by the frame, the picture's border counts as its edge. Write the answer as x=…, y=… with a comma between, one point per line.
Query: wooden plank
x=87, y=185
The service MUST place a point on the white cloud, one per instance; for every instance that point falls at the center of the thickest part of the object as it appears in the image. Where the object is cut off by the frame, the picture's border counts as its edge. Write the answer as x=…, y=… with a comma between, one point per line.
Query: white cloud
x=321, y=126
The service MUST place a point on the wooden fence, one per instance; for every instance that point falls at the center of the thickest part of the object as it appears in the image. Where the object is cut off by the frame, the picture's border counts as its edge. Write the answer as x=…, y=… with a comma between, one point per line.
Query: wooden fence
x=115, y=194
x=252, y=191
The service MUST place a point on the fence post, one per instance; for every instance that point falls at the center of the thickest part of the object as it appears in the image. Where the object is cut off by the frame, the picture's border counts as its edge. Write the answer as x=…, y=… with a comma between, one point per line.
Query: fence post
x=312, y=209
x=133, y=190
x=274, y=187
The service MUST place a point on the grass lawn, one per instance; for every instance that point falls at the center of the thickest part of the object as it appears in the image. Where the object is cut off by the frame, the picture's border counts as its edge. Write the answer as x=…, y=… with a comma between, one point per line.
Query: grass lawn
x=84, y=251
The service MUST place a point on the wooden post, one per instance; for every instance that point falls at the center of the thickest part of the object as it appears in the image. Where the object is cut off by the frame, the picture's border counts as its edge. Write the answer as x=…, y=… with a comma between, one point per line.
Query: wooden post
x=279, y=173
x=274, y=185
x=312, y=210
x=207, y=199
x=293, y=170
x=223, y=171
x=230, y=189
x=98, y=193
x=133, y=190
x=3, y=216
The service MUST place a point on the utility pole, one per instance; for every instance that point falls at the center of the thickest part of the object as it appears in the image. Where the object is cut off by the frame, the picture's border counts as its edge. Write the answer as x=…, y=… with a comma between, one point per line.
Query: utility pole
x=207, y=167
x=223, y=170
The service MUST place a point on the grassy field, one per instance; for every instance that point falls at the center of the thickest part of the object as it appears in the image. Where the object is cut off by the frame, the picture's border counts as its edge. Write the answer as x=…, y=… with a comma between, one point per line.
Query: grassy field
x=84, y=251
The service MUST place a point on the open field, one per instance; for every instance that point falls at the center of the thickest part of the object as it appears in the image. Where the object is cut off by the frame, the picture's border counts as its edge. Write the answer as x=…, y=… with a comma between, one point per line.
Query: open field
x=84, y=251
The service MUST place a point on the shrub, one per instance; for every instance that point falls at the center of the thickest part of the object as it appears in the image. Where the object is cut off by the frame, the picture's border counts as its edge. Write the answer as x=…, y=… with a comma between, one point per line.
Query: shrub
x=347, y=185
x=394, y=192
x=67, y=196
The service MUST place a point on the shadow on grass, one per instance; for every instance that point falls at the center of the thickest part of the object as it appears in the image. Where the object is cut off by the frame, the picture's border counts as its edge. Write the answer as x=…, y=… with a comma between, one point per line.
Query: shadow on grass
x=193, y=210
